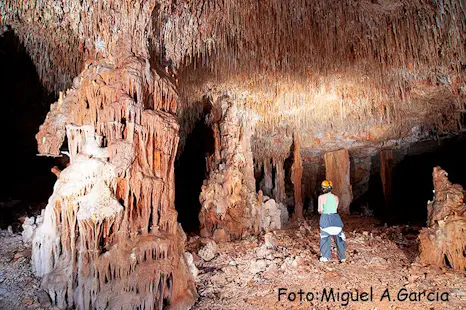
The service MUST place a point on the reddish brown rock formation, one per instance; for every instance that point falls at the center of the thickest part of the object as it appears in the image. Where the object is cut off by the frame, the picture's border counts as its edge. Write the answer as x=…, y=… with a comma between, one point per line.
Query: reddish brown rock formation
x=443, y=242
x=296, y=177
x=229, y=202
x=110, y=236
x=337, y=167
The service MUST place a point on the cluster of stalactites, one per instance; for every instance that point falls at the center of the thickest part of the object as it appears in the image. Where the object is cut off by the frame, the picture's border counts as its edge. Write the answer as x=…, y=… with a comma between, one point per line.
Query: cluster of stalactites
x=273, y=35
x=362, y=71
x=62, y=36
x=230, y=36
x=370, y=70
x=273, y=181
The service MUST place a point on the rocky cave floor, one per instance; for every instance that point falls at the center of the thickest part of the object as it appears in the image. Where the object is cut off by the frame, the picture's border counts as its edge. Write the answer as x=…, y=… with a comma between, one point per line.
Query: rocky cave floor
x=247, y=274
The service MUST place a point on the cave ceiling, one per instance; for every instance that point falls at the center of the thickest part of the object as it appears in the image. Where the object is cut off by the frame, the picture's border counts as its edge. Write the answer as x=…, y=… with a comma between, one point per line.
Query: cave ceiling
x=349, y=73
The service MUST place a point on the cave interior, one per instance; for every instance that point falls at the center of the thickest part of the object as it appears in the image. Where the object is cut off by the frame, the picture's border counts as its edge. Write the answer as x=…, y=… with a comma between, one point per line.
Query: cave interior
x=132, y=128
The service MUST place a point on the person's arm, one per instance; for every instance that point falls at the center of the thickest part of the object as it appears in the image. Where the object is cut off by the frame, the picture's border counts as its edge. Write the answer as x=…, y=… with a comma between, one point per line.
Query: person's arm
x=320, y=204
x=338, y=201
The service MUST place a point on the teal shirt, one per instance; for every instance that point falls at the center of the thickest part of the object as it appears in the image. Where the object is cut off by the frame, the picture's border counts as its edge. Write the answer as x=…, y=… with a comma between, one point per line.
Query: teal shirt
x=330, y=204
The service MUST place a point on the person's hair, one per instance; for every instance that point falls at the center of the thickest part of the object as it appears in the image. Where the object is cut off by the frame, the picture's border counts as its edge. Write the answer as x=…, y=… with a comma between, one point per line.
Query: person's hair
x=327, y=190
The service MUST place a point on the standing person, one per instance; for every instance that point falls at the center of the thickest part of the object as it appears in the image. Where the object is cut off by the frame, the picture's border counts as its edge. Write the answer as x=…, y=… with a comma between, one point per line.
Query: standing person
x=331, y=224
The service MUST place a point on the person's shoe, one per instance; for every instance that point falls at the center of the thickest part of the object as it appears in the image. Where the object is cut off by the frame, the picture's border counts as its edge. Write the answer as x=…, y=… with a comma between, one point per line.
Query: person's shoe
x=343, y=260
x=323, y=259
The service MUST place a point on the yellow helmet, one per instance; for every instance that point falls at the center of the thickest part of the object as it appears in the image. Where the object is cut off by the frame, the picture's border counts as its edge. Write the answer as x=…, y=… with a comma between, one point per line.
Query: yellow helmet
x=327, y=184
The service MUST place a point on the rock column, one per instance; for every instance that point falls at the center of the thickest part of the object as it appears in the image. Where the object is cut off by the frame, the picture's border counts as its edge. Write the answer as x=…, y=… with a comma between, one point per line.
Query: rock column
x=337, y=169
x=230, y=206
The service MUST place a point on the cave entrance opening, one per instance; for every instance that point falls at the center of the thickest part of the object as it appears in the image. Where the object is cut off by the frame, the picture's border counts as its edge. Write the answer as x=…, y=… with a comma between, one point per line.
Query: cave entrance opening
x=28, y=179
x=191, y=171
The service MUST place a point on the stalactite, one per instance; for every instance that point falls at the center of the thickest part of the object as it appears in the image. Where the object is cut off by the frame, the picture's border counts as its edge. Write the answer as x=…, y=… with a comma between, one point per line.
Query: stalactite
x=443, y=242
x=279, y=189
x=230, y=207
x=296, y=177
x=337, y=170
x=386, y=166
x=267, y=183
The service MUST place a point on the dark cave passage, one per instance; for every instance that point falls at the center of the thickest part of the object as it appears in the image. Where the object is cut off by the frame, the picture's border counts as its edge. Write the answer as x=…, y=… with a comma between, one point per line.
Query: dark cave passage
x=375, y=202
x=412, y=178
x=190, y=172
x=412, y=184
x=27, y=180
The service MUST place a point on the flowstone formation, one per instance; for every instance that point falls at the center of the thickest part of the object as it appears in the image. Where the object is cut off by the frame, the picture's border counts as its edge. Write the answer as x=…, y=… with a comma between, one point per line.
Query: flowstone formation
x=110, y=237
x=443, y=242
x=230, y=206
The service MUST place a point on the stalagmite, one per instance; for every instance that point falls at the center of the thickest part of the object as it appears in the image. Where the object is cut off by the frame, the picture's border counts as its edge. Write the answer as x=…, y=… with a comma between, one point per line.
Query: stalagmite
x=267, y=183
x=229, y=202
x=296, y=177
x=337, y=170
x=386, y=166
x=443, y=242
x=279, y=189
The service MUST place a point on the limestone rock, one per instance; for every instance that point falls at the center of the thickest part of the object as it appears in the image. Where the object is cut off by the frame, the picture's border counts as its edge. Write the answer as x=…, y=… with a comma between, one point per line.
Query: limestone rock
x=221, y=235
x=228, y=197
x=257, y=266
x=29, y=227
x=273, y=215
x=44, y=299
x=337, y=169
x=296, y=176
x=270, y=241
x=207, y=253
x=116, y=198
x=191, y=266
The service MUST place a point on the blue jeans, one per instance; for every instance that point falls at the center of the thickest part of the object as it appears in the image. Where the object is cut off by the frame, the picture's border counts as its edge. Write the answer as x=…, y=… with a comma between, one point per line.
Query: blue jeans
x=332, y=220
x=326, y=242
